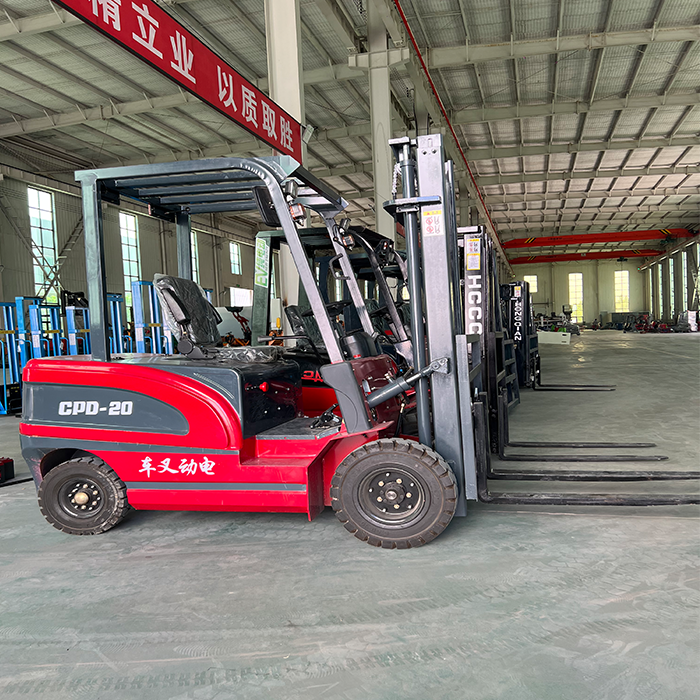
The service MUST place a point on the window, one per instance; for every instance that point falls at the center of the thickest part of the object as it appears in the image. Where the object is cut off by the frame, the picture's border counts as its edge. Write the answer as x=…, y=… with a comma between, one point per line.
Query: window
x=684, y=265
x=194, y=246
x=622, y=291
x=671, y=287
x=273, y=282
x=338, y=290
x=317, y=267
x=241, y=297
x=235, y=253
x=532, y=281
x=651, y=290
x=130, y=253
x=661, y=291
x=41, y=222
x=576, y=296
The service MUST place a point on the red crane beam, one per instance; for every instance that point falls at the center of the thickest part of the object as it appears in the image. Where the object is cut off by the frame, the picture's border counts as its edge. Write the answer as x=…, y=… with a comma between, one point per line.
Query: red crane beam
x=613, y=237
x=600, y=255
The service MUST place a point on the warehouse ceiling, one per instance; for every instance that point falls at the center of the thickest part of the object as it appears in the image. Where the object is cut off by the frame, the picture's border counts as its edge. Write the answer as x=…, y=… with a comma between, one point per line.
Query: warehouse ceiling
x=576, y=115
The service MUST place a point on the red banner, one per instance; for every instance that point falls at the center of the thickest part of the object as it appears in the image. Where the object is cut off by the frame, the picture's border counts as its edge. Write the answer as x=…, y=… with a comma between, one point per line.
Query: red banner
x=154, y=36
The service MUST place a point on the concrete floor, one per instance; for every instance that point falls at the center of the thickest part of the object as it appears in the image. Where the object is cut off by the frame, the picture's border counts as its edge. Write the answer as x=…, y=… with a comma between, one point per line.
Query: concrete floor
x=510, y=603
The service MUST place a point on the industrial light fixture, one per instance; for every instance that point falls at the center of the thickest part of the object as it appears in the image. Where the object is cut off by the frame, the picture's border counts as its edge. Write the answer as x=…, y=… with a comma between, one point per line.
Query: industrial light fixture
x=308, y=133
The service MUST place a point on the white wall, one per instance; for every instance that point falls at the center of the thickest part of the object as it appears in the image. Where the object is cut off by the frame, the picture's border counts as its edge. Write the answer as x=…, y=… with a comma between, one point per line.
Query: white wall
x=598, y=285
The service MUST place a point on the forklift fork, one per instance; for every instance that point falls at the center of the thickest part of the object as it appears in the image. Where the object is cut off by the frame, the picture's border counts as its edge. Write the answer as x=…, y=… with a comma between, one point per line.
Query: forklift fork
x=484, y=472
x=503, y=442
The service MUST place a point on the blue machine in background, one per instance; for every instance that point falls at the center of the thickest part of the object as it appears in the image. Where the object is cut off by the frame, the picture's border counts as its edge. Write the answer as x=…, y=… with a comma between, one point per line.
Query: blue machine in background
x=149, y=334
x=30, y=328
x=9, y=358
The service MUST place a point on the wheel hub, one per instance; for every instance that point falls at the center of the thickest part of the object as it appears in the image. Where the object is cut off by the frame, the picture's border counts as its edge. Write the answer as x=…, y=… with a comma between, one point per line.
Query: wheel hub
x=81, y=498
x=391, y=494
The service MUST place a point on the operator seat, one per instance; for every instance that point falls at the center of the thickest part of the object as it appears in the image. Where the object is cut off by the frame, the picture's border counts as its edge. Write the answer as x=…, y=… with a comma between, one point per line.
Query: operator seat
x=193, y=321
x=305, y=326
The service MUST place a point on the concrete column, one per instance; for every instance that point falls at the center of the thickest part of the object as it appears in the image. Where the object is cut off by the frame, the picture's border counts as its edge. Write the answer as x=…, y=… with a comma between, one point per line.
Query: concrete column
x=216, y=250
x=665, y=280
x=465, y=205
x=692, y=270
x=678, y=257
x=422, y=118
x=380, y=117
x=284, y=68
x=183, y=230
x=163, y=251
x=552, y=304
x=655, y=310
x=468, y=212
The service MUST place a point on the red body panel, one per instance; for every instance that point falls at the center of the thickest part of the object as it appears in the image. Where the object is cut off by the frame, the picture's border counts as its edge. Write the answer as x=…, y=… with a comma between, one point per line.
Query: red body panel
x=211, y=467
x=213, y=422
x=241, y=501
x=316, y=399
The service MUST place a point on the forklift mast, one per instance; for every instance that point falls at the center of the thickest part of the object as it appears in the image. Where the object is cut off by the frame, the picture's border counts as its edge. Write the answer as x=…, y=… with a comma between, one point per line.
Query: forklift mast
x=427, y=213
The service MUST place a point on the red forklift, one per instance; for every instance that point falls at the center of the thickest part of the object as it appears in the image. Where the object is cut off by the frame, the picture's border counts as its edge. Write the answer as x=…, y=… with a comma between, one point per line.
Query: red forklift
x=215, y=428
x=224, y=429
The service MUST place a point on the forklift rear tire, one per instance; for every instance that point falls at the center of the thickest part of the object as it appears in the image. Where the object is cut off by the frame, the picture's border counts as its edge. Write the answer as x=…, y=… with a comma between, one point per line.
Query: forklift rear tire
x=83, y=497
x=394, y=493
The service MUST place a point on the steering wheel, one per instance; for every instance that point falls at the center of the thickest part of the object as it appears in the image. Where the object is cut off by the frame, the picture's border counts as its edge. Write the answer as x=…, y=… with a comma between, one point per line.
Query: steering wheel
x=334, y=308
x=381, y=311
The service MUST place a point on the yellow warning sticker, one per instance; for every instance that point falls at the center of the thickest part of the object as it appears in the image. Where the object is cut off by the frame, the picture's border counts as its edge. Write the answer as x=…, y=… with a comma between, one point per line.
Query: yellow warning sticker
x=432, y=222
x=473, y=253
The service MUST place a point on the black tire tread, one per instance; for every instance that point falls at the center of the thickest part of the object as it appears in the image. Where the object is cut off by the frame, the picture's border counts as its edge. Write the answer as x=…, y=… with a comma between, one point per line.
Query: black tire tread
x=429, y=459
x=121, y=508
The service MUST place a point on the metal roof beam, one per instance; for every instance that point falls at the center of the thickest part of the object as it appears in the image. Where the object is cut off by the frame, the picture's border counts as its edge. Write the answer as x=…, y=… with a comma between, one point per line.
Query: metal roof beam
x=440, y=57
x=586, y=175
x=360, y=130
x=468, y=116
x=591, y=194
x=99, y=113
x=518, y=150
x=339, y=22
x=611, y=210
x=470, y=54
x=481, y=53
x=37, y=24
x=477, y=116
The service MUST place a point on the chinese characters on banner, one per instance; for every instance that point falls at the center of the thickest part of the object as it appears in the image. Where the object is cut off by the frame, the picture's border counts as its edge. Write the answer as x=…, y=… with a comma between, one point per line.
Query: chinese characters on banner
x=167, y=465
x=151, y=33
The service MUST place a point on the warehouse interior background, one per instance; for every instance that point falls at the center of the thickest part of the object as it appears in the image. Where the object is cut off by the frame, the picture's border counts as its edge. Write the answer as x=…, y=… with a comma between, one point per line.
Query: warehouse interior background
x=575, y=118
x=574, y=129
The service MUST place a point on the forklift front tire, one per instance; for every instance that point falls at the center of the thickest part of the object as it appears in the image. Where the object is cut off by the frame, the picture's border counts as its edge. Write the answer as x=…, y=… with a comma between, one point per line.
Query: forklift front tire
x=83, y=497
x=394, y=493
